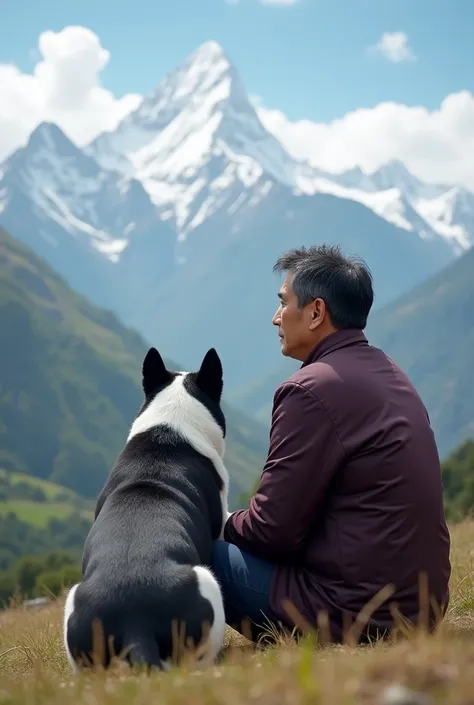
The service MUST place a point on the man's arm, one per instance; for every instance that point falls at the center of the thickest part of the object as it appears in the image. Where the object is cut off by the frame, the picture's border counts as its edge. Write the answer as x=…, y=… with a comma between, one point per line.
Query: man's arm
x=304, y=454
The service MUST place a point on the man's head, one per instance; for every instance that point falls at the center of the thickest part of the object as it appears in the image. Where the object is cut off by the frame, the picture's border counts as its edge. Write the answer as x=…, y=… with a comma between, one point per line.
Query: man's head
x=322, y=292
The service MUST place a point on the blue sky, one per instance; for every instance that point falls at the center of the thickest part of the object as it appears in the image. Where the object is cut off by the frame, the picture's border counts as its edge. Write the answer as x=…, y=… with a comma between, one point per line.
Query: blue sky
x=308, y=59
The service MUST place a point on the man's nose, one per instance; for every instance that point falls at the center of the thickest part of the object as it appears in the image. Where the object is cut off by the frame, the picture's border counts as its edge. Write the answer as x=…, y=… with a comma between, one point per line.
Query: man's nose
x=276, y=320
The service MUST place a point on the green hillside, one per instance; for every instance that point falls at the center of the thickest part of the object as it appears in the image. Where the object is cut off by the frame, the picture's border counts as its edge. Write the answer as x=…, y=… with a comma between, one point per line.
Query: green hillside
x=37, y=502
x=70, y=383
x=40, y=513
x=17, y=484
x=429, y=332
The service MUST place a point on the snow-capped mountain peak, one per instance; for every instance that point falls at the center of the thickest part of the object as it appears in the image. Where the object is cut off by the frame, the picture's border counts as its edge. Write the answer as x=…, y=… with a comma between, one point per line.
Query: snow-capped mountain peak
x=208, y=52
x=49, y=136
x=203, y=78
x=205, y=75
x=68, y=187
x=451, y=215
x=392, y=174
x=196, y=142
x=395, y=174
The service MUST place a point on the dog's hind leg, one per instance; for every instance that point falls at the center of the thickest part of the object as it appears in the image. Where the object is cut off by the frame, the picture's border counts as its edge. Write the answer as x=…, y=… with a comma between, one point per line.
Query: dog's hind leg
x=210, y=590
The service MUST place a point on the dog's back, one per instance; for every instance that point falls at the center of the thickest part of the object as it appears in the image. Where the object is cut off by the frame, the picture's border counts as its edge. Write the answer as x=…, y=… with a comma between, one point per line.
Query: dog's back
x=146, y=584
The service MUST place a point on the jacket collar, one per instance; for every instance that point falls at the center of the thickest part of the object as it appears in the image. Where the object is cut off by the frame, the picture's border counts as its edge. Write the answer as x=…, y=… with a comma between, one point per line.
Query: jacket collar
x=335, y=341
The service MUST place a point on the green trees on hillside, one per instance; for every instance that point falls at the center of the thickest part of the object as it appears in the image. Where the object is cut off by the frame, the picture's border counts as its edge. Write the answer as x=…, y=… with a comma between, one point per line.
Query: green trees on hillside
x=37, y=562
x=458, y=478
x=34, y=576
x=18, y=538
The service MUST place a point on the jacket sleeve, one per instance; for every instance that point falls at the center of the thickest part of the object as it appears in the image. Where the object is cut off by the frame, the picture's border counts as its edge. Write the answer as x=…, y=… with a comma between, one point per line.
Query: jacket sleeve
x=304, y=454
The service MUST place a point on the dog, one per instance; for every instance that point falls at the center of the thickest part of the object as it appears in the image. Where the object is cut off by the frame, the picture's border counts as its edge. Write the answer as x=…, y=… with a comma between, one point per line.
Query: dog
x=145, y=568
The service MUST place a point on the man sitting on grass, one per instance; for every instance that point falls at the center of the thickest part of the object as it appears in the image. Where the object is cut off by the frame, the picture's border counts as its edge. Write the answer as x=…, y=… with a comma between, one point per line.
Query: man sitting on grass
x=350, y=498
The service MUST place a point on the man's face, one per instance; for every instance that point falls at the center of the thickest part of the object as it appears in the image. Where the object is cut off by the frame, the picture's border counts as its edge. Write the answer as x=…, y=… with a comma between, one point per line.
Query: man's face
x=295, y=325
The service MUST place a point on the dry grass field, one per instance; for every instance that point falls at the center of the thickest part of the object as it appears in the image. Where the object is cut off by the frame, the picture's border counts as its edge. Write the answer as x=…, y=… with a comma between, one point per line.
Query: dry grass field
x=418, y=669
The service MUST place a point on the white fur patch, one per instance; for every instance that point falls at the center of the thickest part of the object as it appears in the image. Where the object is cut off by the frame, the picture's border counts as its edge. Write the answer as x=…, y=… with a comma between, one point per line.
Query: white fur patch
x=210, y=590
x=68, y=610
x=190, y=420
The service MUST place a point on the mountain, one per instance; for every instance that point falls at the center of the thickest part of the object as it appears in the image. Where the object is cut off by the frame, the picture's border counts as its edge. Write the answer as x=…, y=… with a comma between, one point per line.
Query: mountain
x=70, y=377
x=196, y=142
x=174, y=219
x=96, y=227
x=198, y=145
x=429, y=210
x=429, y=332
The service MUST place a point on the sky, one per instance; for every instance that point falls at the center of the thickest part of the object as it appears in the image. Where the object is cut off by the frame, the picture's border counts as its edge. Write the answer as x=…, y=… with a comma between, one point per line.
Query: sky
x=392, y=67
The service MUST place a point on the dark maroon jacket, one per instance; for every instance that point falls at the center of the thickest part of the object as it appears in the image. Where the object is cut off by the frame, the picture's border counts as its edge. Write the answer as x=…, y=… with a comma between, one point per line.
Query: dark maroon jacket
x=350, y=498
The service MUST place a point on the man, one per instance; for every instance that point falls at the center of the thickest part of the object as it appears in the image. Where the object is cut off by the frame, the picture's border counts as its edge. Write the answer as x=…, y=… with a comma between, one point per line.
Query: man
x=350, y=498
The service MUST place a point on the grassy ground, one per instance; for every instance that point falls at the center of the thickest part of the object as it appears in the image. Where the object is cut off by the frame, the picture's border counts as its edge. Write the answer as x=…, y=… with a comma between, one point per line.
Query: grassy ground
x=438, y=669
x=39, y=513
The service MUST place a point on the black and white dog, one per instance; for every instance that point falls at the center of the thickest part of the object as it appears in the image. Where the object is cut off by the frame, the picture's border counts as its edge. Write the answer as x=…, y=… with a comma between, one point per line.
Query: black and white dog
x=145, y=563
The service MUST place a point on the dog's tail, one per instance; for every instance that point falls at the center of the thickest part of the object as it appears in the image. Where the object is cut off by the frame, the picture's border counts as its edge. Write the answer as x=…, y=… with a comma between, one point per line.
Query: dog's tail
x=141, y=649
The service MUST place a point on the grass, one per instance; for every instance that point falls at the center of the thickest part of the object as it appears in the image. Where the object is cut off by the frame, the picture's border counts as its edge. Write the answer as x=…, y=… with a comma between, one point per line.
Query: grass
x=39, y=513
x=34, y=670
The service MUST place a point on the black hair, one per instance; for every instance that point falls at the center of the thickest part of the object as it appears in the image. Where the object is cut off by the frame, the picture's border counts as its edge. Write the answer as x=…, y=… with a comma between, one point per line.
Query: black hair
x=344, y=283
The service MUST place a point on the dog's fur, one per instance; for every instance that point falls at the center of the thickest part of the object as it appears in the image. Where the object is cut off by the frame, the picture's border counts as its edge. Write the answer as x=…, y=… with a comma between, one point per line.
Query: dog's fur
x=145, y=563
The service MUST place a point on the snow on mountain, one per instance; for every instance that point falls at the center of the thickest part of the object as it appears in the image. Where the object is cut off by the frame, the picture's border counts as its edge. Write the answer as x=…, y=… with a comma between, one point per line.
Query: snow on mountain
x=451, y=215
x=196, y=140
x=435, y=209
x=96, y=227
x=69, y=188
x=388, y=204
x=395, y=174
x=198, y=145
x=396, y=195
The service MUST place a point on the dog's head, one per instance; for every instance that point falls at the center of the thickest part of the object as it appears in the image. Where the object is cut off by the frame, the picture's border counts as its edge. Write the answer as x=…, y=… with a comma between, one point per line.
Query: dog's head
x=188, y=402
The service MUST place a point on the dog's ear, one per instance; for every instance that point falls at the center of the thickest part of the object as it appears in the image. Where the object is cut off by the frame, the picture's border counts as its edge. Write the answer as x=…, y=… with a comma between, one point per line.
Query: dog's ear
x=154, y=371
x=209, y=378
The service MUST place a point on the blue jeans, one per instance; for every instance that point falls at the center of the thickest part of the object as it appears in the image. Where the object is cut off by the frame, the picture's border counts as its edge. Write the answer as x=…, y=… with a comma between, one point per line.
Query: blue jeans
x=245, y=583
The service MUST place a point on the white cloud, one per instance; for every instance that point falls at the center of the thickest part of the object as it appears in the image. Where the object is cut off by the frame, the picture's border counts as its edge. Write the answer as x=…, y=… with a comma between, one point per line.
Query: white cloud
x=394, y=46
x=436, y=145
x=63, y=88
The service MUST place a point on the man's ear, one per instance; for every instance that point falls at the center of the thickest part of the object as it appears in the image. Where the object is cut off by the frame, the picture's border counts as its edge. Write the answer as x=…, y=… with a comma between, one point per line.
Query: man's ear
x=317, y=313
x=154, y=371
x=209, y=378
